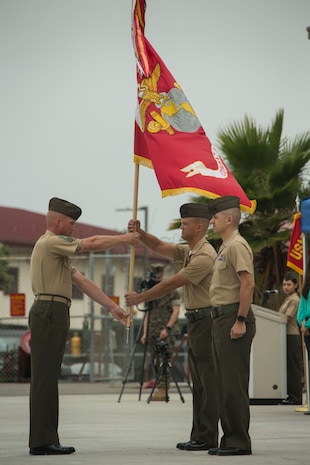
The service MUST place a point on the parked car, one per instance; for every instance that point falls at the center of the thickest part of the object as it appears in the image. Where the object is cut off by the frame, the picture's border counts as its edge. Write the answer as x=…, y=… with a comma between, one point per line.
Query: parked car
x=10, y=341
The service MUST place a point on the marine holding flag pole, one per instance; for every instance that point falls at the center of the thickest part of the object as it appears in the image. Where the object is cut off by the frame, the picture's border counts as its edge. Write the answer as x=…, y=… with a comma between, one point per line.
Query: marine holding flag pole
x=168, y=134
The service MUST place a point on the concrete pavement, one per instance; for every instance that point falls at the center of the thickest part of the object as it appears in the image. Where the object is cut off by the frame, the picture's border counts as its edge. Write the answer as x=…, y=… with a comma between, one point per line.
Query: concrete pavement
x=106, y=431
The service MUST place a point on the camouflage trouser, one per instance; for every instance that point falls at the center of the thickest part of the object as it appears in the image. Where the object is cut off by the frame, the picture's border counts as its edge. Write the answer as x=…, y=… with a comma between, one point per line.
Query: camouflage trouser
x=159, y=359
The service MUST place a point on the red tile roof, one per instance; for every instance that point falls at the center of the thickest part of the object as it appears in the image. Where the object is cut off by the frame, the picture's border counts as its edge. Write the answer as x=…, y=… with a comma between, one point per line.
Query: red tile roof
x=22, y=227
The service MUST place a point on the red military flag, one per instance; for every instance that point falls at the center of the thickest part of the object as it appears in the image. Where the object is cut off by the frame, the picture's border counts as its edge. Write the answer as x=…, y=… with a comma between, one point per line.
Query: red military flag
x=294, y=254
x=168, y=135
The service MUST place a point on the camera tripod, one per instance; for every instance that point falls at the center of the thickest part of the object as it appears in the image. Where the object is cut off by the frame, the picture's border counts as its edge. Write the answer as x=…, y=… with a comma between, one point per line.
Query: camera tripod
x=165, y=365
x=163, y=369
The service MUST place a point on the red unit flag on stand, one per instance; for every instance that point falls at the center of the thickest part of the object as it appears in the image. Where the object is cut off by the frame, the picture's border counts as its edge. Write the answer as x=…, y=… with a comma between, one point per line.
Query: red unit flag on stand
x=168, y=135
x=294, y=254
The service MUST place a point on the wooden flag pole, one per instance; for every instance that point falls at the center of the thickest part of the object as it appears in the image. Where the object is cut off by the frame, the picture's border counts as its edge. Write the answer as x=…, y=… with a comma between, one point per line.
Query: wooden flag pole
x=133, y=248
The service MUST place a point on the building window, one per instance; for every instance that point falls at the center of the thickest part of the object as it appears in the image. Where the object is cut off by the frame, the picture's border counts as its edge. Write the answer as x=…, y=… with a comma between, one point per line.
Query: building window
x=137, y=284
x=107, y=287
x=13, y=285
x=77, y=293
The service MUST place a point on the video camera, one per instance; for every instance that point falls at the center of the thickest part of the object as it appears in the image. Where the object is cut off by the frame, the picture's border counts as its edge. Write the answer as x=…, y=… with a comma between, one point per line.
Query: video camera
x=161, y=347
x=144, y=285
x=148, y=282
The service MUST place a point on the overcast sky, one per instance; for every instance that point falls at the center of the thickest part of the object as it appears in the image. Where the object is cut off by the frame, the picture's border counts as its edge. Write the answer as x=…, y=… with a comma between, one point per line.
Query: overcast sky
x=68, y=92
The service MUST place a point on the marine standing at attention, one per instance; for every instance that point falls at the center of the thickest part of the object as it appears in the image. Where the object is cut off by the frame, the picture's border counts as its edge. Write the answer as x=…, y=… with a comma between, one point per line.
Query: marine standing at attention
x=231, y=293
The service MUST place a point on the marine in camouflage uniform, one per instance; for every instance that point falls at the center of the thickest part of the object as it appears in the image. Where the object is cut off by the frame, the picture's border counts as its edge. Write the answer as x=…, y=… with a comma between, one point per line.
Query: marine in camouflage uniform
x=161, y=322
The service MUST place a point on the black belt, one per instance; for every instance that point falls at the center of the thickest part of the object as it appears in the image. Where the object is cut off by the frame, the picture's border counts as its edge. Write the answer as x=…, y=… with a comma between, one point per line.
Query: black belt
x=54, y=298
x=216, y=312
x=197, y=313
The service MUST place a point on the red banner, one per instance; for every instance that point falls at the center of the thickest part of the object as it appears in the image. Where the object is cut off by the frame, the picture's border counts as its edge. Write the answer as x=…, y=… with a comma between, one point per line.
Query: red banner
x=17, y=304
x=294, y=255
x=168, y=135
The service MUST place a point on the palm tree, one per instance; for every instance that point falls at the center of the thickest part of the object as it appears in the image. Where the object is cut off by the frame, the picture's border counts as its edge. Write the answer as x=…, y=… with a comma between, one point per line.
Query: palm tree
x=270, y=169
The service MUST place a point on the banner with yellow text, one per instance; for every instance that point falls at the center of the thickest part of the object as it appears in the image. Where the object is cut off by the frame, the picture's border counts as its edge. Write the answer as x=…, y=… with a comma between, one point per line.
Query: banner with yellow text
x=294, y=254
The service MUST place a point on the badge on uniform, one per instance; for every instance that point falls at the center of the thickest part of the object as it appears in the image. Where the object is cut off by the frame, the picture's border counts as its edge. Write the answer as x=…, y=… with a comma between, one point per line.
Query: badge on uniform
x=67, y=238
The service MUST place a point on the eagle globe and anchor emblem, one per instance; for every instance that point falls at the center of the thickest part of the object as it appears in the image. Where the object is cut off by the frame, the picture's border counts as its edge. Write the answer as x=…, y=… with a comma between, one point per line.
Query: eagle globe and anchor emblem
x=173, y=113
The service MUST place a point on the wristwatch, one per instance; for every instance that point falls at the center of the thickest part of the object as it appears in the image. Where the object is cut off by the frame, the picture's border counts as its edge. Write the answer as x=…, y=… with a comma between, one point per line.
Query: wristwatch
x=241, y=318
x=168, y=329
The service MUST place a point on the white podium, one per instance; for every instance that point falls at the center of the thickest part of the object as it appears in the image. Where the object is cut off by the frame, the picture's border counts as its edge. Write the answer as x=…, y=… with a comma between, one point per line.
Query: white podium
x=268, y=357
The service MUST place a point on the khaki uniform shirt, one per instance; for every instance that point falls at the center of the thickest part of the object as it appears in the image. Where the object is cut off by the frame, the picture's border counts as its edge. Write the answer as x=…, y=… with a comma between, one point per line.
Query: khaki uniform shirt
x=235, y=255
x=290, y=307
x=198, y=265
x=50, y=266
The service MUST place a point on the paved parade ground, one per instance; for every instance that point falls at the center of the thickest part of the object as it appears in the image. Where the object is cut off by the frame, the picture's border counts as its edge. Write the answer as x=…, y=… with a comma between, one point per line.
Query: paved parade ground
x=106, y=431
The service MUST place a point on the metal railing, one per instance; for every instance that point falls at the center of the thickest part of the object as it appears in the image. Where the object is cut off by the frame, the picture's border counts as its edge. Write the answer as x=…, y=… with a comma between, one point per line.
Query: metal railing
x=101, y=354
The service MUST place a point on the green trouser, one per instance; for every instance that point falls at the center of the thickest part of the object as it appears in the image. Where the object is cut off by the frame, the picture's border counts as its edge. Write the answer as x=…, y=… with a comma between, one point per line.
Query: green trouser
x=232, y=363
x=294, y=367
x=205, y=412
x=49, y=325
